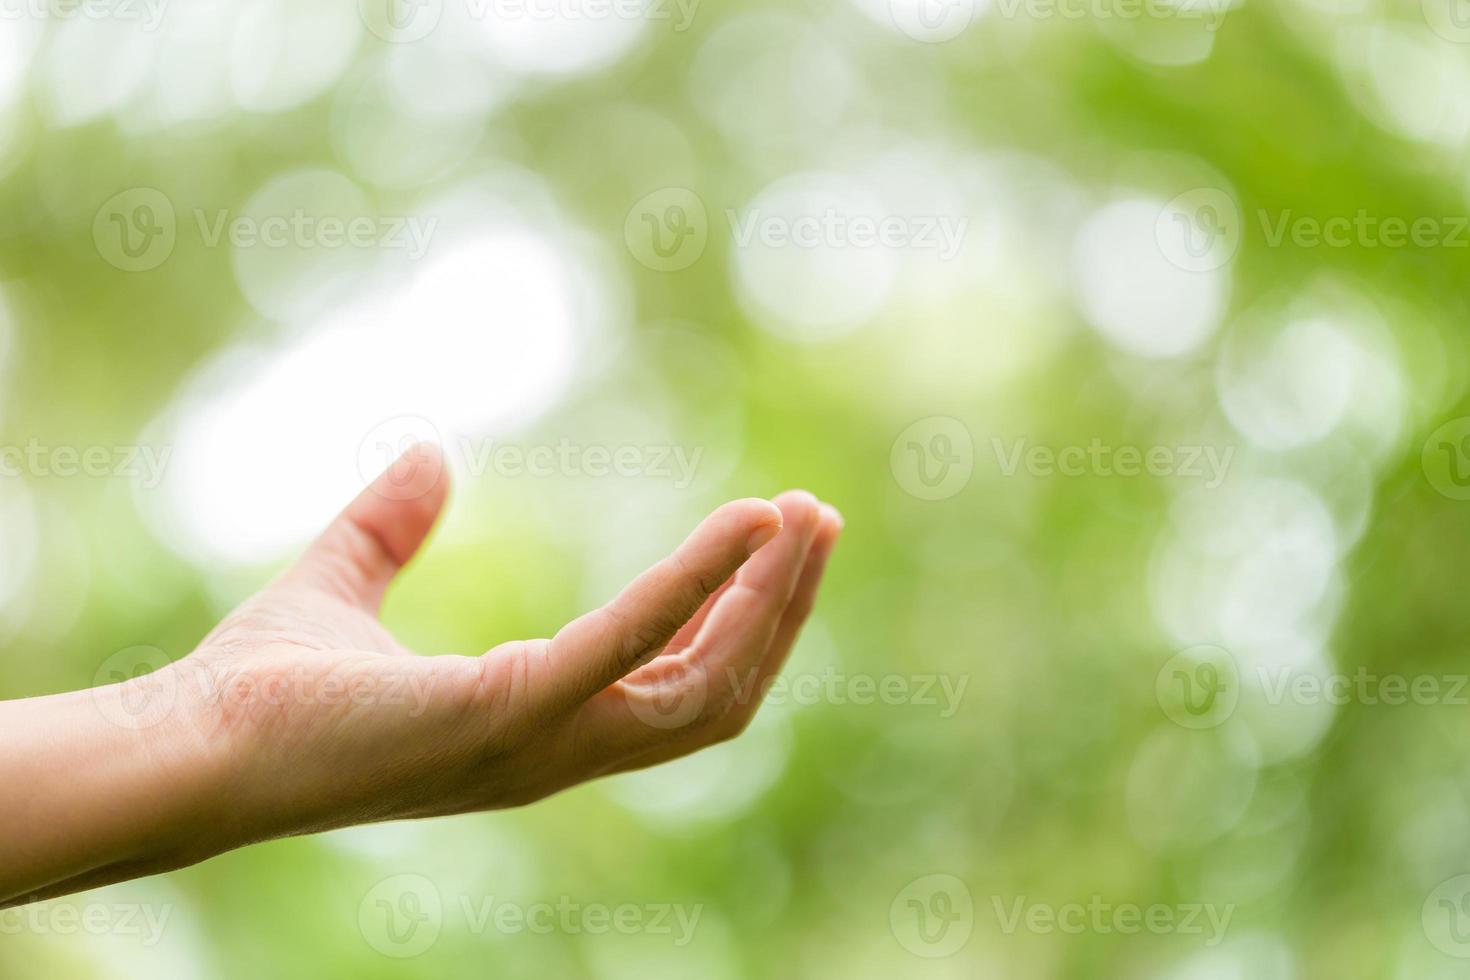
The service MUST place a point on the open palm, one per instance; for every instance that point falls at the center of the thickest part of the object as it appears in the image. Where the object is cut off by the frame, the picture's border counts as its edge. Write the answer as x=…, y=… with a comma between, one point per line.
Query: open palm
x=330, y=721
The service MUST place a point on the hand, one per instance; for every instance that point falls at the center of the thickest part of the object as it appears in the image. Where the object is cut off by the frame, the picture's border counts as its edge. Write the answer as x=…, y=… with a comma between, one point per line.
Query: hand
x=323, y=719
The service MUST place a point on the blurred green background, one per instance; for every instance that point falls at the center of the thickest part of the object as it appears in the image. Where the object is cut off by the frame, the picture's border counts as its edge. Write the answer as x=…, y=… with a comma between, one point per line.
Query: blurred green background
x=720, y=231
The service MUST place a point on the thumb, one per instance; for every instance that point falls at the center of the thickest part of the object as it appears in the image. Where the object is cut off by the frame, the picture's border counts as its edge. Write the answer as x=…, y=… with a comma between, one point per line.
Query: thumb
x=361, y=551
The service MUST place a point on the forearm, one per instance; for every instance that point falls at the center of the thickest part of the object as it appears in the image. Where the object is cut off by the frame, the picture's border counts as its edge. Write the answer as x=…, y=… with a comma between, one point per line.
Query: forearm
x=97, y=789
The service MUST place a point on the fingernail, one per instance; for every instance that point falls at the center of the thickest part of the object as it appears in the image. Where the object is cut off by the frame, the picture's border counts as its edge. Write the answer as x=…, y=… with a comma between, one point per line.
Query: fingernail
x=761, y=537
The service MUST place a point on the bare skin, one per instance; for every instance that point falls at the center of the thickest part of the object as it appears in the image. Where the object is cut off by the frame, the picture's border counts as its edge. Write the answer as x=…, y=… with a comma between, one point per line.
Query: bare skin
x=301, y=713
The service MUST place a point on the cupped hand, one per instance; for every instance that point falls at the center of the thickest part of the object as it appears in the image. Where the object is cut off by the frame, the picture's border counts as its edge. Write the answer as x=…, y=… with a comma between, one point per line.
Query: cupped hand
x=319, y=718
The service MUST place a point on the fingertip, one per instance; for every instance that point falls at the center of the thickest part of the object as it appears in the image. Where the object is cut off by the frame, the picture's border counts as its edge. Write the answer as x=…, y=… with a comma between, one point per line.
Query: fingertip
x=401, y=506
x=752, y=512
x=800, y=509
x=753, y=520
x=832, y=518
x=761, y=537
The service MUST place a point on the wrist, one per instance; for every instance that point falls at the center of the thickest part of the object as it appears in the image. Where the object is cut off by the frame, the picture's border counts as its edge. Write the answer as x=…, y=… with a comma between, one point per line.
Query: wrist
x=168, y=722
x=113, y=782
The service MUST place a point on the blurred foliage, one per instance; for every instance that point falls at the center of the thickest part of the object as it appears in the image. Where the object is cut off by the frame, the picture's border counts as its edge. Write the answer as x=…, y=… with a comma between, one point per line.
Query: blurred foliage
x=1057, y=601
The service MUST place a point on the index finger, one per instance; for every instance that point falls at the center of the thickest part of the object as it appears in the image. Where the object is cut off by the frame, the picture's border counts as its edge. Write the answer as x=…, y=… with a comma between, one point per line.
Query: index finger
x=597, y=649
